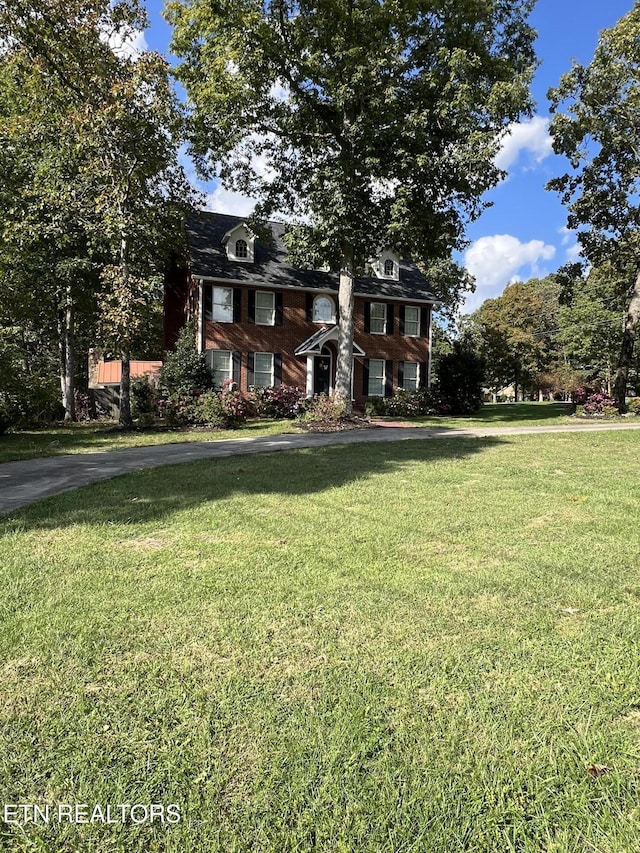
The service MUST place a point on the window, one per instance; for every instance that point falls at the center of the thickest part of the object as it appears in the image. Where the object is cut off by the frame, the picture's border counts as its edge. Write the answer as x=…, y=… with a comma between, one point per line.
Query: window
x=412, y=322
x=265, y=308
x=221, y=365
x=389, y=267
x=323, y=310
x=410, y=376
x=222, y=311
x=378, y=319
x=376, y=377
x=241, y=249
x=263, y=369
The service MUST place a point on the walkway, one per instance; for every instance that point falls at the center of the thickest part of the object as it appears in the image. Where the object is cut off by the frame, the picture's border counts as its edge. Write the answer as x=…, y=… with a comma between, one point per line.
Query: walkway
x=23, y=483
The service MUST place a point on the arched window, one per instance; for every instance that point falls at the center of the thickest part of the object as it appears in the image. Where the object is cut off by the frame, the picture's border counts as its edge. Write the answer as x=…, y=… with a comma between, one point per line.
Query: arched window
x=323, y=311
x=241, y=249
x=388, y=267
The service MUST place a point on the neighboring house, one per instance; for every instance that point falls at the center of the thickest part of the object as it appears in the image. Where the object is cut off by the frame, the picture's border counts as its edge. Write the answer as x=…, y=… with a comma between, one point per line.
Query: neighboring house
x=105, y=378
x=263, y=322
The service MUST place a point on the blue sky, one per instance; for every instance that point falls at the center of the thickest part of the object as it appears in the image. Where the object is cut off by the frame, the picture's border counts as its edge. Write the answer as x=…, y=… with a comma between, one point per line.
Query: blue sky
x=523, y=234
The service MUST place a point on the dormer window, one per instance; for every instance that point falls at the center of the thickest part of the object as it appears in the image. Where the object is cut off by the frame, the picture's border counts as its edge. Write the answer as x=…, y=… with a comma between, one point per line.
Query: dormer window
x=242, y=250
x=388, y=268
x=323, y=310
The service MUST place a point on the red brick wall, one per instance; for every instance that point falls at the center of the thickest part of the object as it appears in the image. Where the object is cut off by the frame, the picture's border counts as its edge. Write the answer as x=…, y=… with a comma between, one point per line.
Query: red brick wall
x=245, y=337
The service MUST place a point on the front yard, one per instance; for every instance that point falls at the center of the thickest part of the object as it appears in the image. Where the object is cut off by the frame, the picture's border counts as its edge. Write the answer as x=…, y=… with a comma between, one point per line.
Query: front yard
x=421, y=646
x=88, y=437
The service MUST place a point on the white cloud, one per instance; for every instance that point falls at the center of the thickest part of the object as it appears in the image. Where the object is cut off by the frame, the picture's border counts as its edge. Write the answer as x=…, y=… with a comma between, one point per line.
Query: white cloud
x=502, y=259
x=231, y=203
x=572, y=251
x=529, y=136
x=127, y=42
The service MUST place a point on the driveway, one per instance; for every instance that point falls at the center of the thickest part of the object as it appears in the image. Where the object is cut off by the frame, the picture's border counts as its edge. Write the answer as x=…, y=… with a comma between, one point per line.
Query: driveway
x=23, y=483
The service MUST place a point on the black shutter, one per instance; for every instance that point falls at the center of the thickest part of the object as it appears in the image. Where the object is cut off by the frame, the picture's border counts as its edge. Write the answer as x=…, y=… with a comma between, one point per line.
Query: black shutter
x=251, y=318
x=250, y=369
x=422, y=379
x=277, y=368
x=367, y=317
x=388, y=378
x=208, y=302
x=279, y=312
x=365, y=377
x=400, y=374
x=400, y=321
x=424, y=321
x=237, y=304
x=389, y=324
x=309, y=306
x=236, y=358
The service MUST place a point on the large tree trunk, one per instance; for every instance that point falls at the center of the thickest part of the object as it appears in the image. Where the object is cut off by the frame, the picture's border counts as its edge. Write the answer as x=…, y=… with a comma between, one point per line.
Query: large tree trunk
x=344, y=368
x=626, y=350
x=66, y=332
x=125, y=420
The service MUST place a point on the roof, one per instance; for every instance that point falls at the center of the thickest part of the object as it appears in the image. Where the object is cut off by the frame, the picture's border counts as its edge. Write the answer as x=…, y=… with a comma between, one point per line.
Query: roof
x=110, y=372
x=314, y=344
x=208, y=259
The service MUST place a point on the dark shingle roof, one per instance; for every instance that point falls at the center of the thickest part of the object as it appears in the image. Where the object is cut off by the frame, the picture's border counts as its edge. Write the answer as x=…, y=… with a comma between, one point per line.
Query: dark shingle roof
x=270, y=266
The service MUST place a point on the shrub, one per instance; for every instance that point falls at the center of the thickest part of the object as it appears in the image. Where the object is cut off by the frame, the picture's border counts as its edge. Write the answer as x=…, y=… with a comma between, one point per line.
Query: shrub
x=460, y=379
x=224, y=409
x=178, y=410
x=84, y=406
x=185, y=371
x=144, y=401
x=633, y=406
x=408, y=404
x=324, y=408
x=278, y=401
x=595, y=405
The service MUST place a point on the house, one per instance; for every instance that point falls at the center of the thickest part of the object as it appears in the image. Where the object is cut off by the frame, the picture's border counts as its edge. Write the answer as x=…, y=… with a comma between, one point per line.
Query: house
x=262, y=321
x=105, y=378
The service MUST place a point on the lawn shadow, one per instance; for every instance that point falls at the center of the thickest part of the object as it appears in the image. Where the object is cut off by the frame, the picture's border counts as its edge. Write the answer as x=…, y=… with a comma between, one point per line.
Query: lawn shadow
x=505, y=413
x=154, y=494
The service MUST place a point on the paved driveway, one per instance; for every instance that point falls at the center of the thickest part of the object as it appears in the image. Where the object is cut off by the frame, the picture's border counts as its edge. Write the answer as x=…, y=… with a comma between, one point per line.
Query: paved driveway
x=23, y=483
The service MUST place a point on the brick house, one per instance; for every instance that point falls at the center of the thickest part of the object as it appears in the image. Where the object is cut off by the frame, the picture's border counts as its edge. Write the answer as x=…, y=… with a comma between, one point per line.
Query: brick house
x=261, y=321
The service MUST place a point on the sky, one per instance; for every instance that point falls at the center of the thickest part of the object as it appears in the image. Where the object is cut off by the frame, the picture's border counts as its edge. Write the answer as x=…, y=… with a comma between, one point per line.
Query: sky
x=523, y=233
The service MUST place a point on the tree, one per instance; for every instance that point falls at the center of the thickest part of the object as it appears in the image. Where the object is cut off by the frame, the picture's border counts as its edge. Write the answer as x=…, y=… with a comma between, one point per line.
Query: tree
x=372, y=123
x=103, y=194
x=600, y=135
x=516, y=333
x=591, y=321
x=461, y=374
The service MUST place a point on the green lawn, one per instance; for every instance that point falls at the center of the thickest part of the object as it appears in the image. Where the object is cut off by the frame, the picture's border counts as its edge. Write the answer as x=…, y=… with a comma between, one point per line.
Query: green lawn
x=88, y=437
x=84, y=438
x=419, y=646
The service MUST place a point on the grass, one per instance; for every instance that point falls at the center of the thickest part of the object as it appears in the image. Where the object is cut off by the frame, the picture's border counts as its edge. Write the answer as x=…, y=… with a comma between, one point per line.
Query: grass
x=87, y=437
x=420, y=646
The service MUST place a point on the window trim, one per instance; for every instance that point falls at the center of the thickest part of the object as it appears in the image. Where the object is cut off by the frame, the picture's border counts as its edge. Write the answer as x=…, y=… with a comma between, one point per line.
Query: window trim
x=389, y=273
x=416, y=321
x=260, y=308
x=272, y=376
x=329, y=299
x=383, y=331
x=242, y=249
x=215, y=288
x=212, y=364
x=404, y=376
x=382, y=378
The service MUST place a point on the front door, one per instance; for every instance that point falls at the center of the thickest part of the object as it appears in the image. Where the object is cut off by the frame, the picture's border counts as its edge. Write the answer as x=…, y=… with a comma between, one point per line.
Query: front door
x=321, y=374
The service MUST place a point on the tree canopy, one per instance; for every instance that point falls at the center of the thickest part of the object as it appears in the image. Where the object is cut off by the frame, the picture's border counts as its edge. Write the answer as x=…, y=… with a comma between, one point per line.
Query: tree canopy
x=599, y=133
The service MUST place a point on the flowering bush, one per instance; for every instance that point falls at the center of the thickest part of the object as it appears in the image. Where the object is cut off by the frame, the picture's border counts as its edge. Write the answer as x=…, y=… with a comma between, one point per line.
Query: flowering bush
x=234, y=406
x=325, y=409
x=277, y=401
x=594, y=404
x=408, y=404
x=178, y=410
